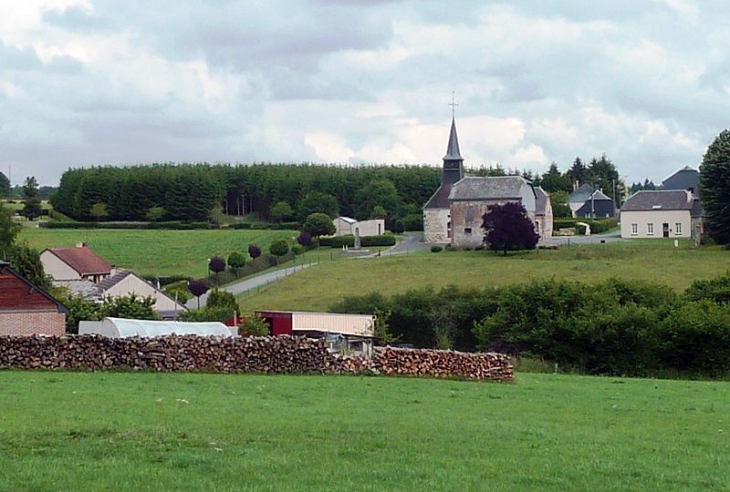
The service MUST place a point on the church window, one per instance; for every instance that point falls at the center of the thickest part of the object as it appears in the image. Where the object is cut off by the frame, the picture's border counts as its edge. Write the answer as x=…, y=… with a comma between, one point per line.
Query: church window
x=467, y=230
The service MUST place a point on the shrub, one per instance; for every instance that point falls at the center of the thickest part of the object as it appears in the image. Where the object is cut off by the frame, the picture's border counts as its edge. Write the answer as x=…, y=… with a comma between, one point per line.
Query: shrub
x=279, y=248
x=297, y=249
x=413, y=222
x=236, y=261
x=254, y=251
x=253, y=325
x=436, y=248
x=304, y=239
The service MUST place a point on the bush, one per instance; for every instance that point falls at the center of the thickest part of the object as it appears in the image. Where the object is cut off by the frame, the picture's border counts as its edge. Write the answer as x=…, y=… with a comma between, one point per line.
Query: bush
x=279, y=248
x=436, y=248
x=365, y=241
x=297, y=249
x=253, y=326
x=254, y=251
x=413, y=222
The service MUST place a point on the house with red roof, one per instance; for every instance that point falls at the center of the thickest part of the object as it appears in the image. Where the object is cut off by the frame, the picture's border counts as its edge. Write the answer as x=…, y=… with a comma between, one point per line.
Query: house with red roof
x=26, y=309
x=78, y=263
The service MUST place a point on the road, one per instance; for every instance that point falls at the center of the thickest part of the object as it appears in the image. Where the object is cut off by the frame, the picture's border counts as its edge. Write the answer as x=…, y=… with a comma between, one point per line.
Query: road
x=249, y=284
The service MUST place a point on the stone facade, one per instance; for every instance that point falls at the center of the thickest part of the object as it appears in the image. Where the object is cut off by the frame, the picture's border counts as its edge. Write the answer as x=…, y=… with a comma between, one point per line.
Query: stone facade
x=437, y=225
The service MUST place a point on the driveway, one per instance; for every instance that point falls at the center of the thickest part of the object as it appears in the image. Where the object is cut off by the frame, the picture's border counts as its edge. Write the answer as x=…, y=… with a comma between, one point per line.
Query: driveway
x=248, y=284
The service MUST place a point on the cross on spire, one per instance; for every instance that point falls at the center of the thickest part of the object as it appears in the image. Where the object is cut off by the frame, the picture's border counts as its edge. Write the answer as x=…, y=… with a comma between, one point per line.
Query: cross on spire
x=453, y=104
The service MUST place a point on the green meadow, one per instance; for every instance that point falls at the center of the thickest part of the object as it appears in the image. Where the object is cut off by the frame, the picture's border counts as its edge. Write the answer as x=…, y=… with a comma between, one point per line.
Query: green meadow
x=318, y=287
x=148, y=431
x=156, y=252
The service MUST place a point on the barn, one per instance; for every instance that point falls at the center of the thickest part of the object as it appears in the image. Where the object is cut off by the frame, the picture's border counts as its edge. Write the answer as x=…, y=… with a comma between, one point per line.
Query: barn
x=27, y=310
x=343, y=332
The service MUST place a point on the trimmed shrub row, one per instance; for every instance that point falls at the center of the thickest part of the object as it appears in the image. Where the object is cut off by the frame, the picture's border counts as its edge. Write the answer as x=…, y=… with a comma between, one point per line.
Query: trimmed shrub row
x=349, y=241
x=173, y=224
x=597, y=225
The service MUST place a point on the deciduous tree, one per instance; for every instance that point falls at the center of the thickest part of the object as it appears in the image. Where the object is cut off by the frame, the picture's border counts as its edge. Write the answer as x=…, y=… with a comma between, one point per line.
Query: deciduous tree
x=319, y=224
x=507, y=227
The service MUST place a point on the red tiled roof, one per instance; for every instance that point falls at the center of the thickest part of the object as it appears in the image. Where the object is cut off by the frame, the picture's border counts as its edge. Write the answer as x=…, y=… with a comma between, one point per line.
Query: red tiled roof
x=83, y=260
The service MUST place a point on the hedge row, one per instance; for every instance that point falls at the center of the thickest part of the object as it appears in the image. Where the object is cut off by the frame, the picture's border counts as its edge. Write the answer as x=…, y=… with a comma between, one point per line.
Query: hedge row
x=597, y=225
x=365, y=241
x=265, y=225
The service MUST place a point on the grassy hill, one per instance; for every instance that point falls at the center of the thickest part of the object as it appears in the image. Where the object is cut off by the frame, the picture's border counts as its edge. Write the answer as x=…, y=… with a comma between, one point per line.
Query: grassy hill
x=157, y=252
x=319, y=287
x=137, y=432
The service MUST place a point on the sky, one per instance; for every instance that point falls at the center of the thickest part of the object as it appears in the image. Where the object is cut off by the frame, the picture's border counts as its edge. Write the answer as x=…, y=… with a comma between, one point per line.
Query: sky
x=112, y=82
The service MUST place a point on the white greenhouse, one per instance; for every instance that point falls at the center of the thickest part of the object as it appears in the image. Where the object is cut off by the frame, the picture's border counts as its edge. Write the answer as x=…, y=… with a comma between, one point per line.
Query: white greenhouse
x=123, y=328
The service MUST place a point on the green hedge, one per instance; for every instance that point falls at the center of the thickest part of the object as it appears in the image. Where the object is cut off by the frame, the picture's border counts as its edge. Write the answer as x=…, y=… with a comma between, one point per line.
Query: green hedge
x=365, y=241
x=281, y=226
x=597, y=225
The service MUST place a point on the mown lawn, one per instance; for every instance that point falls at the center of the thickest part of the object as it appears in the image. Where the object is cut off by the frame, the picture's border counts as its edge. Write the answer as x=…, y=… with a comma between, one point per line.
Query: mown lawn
x=157, y=252
x=318, y=287
x=146, y=431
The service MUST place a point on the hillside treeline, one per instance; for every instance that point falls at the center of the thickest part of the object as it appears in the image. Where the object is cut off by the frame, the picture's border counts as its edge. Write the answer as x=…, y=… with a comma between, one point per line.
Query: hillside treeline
x=190, y=192
x=616, y=327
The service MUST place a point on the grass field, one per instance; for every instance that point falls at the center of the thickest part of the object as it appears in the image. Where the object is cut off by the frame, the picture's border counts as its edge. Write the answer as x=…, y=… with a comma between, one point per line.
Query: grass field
x=319, y=287
x=156, y=252
x=146, y=431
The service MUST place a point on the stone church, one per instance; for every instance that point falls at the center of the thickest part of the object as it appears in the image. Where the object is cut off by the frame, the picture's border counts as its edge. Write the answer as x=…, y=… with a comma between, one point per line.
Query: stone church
x=454, y=213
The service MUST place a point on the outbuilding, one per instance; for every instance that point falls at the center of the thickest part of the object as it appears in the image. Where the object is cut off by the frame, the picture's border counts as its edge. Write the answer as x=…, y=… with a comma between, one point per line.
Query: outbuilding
x=123, y=328
x=344, y=332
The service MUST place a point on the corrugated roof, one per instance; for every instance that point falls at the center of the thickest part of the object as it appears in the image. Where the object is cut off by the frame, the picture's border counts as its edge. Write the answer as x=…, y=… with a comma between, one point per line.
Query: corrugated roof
x=347, y=219
x=83, y=260
x=488, y=188
x=659, y=200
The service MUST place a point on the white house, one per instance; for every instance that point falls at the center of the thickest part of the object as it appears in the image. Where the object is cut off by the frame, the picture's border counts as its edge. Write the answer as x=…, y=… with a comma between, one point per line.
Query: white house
x=659, y=213
x=79, y=263
x=346, y=225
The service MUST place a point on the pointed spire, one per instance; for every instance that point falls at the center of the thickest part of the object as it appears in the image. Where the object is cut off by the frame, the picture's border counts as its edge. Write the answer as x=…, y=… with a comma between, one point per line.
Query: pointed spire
x=452, y=151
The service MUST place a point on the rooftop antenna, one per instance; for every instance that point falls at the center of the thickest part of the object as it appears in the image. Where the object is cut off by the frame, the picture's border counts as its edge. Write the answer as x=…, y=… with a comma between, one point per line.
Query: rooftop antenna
x=453, y=105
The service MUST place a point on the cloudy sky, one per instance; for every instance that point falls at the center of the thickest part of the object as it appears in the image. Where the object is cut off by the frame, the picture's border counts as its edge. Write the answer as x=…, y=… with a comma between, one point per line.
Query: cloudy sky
x=96, y=82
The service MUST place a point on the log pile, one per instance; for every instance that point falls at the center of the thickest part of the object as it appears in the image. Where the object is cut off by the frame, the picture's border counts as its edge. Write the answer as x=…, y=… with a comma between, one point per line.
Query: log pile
x=281, y=355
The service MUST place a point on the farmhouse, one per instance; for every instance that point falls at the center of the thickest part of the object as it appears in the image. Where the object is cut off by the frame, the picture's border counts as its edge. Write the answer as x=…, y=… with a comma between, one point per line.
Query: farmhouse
x=27, y=310
x=660, y=213
x=348, y=226
x=79, y=263
x=353, y=332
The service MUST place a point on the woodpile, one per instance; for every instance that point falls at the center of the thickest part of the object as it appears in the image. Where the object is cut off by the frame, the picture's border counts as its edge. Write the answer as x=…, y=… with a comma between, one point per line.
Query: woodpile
x=281, y=355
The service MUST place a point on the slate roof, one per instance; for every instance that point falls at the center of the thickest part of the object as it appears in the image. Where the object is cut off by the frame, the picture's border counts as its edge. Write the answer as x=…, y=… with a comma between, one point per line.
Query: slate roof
x=83, y=260
x=488, y=188
x=684, y=179
x=452, y=149
x=659, y=200
x=440, y=199
x=600, y=208
x=541, y=201
x=113, y=280
x=582, y=194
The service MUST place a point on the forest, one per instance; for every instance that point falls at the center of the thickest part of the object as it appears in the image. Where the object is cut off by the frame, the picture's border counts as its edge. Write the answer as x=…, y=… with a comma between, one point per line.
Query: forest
x=190, y=192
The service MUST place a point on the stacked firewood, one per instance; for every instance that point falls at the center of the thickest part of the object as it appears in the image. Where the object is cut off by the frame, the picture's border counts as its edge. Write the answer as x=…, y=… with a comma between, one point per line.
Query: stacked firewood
x=166, y=354
x=443, y=364
x=289, y=355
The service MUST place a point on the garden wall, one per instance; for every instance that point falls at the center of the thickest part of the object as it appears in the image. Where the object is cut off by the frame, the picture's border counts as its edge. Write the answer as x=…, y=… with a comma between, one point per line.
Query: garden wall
x=282, y=355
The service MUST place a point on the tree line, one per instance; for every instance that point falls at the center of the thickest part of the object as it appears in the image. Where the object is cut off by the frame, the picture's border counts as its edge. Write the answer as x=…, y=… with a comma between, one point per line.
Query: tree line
x=614, y=327
x=193, y=192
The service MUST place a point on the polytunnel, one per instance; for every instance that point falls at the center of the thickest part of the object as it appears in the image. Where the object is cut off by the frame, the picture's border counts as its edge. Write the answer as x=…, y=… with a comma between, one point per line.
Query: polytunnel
x=123, y=328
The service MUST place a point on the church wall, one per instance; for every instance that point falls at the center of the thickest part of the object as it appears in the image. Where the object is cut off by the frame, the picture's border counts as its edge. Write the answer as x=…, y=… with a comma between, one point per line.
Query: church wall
x=435, y=225
x=466, y=219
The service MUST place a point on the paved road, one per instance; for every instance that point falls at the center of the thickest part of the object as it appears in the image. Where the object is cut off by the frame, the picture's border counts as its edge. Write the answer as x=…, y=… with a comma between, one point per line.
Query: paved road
x=248, y=284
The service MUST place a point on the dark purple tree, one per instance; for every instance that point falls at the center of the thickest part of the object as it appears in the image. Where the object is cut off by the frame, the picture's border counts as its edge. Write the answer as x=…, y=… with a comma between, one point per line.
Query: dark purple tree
x=305, y=239
x=254, y=251
x=198, y=288
x=507, y=227
x=217, y=265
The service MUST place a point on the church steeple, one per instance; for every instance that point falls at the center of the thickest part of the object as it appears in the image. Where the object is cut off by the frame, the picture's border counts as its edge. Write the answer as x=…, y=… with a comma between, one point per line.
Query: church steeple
x=453, y=169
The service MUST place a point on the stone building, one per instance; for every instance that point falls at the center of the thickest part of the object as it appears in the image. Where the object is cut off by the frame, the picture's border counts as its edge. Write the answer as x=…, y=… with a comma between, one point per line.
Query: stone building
x=454, y=213
x=436, y=213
